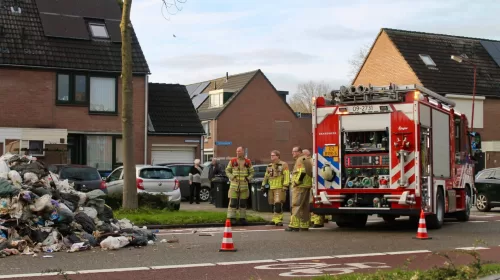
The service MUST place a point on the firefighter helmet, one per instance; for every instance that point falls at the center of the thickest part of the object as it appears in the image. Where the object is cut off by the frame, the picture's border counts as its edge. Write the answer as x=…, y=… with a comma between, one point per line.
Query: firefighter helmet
x=327, y=173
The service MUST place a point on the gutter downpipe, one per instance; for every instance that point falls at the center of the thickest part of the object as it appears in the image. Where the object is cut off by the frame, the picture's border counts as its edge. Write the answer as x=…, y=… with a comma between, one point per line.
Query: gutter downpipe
x=146, y=88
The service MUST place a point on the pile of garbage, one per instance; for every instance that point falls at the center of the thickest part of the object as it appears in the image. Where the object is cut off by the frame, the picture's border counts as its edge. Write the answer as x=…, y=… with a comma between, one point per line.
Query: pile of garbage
x=40, y=213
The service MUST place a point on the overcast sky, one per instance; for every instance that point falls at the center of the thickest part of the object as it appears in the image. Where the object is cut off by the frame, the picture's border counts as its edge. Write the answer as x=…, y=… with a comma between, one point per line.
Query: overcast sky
x=291, y=41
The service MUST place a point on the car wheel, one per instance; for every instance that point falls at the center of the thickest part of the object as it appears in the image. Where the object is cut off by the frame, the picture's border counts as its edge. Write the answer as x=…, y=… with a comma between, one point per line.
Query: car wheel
x=482, y=203
x=177, y=207
x=204, y=194
x=435, y=221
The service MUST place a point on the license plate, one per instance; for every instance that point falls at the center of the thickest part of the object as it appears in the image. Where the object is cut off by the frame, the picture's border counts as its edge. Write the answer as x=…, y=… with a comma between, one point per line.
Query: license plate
x=331, y=151
x=362, y=109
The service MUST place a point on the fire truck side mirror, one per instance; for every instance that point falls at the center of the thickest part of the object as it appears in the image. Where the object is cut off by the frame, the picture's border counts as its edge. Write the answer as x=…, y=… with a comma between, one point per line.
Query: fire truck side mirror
x=475, y=138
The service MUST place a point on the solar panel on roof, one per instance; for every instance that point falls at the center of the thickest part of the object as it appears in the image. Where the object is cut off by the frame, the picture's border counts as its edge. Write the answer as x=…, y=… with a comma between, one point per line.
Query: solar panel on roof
x=64, y=26
x=114, y=32
x=100, y=9
x=493, y=48
x=198, y=99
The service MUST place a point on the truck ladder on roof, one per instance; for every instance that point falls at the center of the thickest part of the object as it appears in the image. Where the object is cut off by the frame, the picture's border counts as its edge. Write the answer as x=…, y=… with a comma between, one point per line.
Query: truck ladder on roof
x=390, y=93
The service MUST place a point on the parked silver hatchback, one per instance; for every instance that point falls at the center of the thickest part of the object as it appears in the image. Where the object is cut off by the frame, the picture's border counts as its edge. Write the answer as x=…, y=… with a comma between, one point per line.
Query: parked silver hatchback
x=150, y=179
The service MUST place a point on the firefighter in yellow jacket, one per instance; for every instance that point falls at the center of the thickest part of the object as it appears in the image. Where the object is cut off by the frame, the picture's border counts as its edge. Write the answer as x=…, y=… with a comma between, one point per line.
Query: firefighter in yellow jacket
x=239, y=171
x=301, y=191
x=317, y=221
x=278, y=178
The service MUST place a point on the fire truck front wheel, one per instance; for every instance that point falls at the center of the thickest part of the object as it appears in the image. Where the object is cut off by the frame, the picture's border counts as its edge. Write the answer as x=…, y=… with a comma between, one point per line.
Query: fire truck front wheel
x=435, y=221
x=353, y=221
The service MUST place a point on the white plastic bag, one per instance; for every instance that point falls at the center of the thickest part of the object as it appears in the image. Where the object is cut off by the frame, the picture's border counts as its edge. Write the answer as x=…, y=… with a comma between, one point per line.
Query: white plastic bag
x=4, y=168
x=15, y=177
x=30, y=177
x=91, y=212
x=114, y=243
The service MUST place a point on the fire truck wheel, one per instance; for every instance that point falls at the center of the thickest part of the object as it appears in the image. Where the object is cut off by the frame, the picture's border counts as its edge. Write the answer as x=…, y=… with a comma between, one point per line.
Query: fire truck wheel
x=353, y=221
x=464, y=216
x=435, y=221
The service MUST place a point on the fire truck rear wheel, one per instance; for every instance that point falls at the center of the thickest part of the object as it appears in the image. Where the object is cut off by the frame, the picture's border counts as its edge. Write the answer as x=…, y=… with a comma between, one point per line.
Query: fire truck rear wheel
x=435, y=221
x=464, y=216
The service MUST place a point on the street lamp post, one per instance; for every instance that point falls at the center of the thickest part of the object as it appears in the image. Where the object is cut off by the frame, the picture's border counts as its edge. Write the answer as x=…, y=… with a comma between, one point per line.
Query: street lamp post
x=460, y=59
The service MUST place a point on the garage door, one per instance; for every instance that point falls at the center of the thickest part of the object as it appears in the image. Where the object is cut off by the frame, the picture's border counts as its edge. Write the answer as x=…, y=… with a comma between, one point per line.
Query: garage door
x=172, y=155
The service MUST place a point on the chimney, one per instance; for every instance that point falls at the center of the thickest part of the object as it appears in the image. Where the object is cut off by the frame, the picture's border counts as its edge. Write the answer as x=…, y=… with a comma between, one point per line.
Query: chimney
x=227, y=76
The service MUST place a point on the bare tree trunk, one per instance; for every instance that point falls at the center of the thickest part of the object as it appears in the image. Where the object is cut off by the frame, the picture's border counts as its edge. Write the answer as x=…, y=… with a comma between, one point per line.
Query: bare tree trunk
x=129, y=188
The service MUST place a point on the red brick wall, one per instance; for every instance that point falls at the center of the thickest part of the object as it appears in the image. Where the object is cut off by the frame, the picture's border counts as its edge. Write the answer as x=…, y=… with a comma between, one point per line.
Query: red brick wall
x=20, y=88
x=173, y=140
x=249, y=122
x=385, y=65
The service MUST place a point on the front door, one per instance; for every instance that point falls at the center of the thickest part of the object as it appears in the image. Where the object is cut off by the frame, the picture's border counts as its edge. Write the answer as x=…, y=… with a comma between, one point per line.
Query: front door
x=75, y=148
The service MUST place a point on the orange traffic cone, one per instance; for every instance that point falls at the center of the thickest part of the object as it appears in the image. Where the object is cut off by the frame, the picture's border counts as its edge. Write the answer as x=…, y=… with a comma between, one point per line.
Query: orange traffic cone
x=422, y=228
x=227, y=239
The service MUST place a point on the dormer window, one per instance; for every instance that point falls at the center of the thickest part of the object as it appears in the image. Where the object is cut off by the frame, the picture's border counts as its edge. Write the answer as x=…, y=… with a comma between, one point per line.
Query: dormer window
x=216, y=100
x=427, y=60
x=98, y=30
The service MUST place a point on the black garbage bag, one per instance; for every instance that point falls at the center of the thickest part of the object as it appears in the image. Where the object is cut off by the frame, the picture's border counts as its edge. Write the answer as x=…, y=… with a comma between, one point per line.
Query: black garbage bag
x=56, y=194
x=65, y=216
x=7, y=189
x=38, y=236
x=106, y=214
x=85, y=221
x=41, y=191
x=144, y=232
x=36, y=167
x=69, y=204
x=64, y=229
x=89, y=238
x=73, y=198
x=105, y=227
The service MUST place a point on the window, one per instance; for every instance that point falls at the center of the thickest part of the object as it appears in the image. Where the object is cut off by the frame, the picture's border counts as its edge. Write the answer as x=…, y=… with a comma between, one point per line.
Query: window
x=118, y=150
x=99, y=152
x=115, y=175
x=103, y=95
x=181, y=170
x=427, y=60
x=80, y=174
x=206, y=127
x=35, y=148
x=216, y=100
x=98, y=30
x=71, y=89
x=12, y=146
x=207, y=157
x=156, y=173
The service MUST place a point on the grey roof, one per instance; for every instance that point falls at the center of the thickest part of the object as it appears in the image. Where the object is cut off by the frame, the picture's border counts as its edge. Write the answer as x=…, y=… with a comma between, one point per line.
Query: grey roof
x=55, y=34
x=449, y=76
x=234, y=82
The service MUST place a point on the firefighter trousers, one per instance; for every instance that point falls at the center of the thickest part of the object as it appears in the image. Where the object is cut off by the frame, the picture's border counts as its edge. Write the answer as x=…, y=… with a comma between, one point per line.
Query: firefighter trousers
x=276, y=198
x=238, y=196
x=300, y=208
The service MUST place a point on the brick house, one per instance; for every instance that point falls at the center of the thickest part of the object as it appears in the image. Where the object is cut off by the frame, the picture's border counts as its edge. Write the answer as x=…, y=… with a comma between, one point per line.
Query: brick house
x=60, y=65
x=407, y=57
x=175, y=133
x=246, y=110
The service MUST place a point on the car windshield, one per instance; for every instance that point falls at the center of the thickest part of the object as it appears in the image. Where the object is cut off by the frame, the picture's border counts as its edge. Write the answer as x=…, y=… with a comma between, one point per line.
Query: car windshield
x=80, y=174
x=156, y=173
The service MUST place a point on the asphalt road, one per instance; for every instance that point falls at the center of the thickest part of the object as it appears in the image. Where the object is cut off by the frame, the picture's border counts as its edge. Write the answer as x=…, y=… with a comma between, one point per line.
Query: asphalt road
x=259, y=245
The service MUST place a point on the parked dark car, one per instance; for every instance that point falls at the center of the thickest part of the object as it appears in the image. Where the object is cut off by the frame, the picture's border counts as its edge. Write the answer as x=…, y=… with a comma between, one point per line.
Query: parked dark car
x=487, y=183
x=85, y=178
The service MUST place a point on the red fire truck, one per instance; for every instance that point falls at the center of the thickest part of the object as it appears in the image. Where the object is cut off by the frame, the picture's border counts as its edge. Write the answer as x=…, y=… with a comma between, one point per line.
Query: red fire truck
x=391, y=151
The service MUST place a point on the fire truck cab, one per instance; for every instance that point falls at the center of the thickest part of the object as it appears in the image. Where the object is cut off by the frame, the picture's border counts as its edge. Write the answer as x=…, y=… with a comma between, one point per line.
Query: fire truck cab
x=391, y=151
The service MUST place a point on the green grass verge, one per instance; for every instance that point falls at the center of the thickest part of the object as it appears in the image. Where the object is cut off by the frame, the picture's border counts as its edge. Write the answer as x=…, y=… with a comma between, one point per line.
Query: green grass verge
x=466, y=272
x=164, y=217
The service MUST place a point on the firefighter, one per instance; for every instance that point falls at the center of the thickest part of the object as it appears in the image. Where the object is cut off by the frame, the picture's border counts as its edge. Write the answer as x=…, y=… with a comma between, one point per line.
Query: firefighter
x=317, y=221
x=239, y=171
x=278, y=177
x=301, y=191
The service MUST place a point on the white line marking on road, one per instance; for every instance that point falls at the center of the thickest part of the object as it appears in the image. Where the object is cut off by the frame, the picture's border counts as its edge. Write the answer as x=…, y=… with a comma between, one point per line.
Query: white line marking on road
x=247, y=262
x=306, y=258
x=408, y=252
x=478, y=221
x=182, y=265
x=472, y=248
x=359, y=255
x=113, y=270
x=29, y=275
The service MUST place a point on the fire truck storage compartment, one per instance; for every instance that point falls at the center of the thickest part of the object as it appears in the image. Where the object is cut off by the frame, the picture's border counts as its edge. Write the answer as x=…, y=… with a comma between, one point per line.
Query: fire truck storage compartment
x=365, y=122
x=440, y=144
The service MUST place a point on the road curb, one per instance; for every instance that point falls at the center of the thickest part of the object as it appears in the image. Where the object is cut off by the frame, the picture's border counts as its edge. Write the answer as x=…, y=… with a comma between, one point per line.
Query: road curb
x=199, y=225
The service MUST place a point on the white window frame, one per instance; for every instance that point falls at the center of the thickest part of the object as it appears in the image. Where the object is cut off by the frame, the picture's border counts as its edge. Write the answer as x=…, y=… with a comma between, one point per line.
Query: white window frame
x=103, y=108
x=207, y=131
x=214, y=97
x=427, y=60
x=93, y=25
